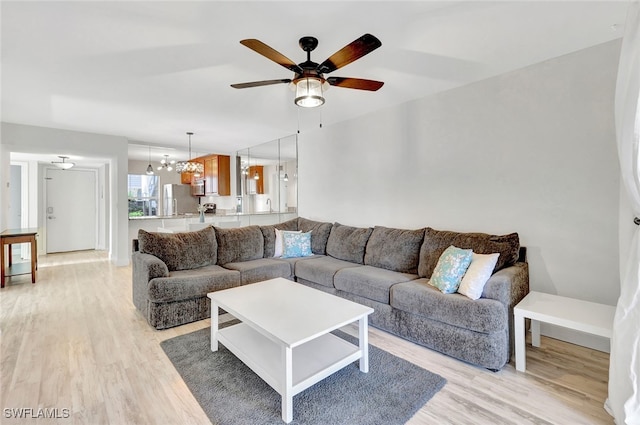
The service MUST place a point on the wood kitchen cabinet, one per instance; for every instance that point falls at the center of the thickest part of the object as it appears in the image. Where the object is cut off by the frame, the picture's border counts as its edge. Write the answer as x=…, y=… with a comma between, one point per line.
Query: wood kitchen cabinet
x=217, y=175
x=186, y=178
x=259, y=182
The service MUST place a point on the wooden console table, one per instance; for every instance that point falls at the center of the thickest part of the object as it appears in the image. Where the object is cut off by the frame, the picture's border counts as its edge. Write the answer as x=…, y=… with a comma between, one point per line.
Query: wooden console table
x=13, y=236
x=584, y=316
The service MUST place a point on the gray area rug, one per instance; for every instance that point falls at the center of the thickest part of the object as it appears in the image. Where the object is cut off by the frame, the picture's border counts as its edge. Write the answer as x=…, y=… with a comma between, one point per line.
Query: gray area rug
x=230, y=393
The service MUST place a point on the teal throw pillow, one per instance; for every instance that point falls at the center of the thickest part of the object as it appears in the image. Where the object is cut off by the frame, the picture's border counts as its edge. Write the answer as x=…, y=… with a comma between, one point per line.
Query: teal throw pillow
x=296, y=245
x=451, y=267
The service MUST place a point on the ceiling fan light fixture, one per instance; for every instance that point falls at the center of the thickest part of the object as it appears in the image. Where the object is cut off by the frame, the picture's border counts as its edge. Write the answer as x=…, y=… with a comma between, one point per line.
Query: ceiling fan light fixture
x=309, y=91
x=308, y=81
x=63, y=164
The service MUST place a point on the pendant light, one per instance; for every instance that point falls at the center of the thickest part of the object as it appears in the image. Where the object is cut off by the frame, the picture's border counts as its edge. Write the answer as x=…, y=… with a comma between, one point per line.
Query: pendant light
x=149, y=167
x=189, y=166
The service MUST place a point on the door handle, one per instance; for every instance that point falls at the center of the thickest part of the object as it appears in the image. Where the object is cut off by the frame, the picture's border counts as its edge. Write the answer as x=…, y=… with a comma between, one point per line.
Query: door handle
x=51, y=217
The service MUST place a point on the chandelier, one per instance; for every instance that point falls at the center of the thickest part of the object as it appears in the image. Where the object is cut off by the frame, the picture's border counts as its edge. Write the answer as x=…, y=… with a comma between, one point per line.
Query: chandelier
x=193, y=167
x=166, y=164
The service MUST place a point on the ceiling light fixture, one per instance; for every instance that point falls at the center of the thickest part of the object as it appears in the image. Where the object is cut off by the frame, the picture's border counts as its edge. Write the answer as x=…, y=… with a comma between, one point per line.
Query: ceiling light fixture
x=189, y=166
x=309, y=91
x=149, y=167
x=63, y=164
x=165, y=164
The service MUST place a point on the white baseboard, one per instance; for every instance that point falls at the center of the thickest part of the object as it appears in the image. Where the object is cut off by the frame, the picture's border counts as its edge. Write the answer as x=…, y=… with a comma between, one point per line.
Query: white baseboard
x=576, y=337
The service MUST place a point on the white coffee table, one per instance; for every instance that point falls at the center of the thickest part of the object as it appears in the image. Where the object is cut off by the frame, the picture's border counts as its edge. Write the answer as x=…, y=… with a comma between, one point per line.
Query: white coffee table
x=584, y=316
x=285, y=334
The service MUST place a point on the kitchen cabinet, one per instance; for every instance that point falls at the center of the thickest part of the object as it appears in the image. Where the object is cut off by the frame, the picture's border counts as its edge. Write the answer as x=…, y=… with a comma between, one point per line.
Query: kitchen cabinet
x=217, y=175
x=185, y=178
x=259, y=182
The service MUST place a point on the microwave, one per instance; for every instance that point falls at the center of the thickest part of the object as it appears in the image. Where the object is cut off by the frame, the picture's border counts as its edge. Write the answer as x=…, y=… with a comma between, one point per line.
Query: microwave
x=197, y=187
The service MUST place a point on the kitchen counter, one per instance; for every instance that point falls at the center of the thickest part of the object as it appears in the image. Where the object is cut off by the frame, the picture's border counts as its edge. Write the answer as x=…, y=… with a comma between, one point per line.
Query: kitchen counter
x=208, y=215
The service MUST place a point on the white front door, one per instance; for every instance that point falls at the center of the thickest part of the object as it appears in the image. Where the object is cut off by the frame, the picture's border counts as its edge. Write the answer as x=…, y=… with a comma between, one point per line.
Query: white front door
x=70, y=210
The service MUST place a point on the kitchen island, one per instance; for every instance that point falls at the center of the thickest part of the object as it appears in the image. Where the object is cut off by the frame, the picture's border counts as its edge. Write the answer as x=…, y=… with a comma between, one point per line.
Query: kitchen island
x=187, y=222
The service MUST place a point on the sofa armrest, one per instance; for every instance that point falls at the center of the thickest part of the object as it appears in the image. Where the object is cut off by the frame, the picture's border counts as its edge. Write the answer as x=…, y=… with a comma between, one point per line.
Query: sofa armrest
x=145, y=267
x=509, y=285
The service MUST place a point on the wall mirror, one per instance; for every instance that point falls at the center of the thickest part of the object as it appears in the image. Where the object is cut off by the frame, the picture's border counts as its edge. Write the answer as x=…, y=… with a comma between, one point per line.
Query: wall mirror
x=267, y=177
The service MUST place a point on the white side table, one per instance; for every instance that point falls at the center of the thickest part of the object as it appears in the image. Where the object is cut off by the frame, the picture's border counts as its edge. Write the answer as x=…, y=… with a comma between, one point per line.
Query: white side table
x=585, y=316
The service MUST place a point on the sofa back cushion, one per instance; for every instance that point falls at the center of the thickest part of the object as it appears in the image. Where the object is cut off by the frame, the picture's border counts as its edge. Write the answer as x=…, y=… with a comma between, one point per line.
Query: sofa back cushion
x=239, y=244
x=348, y=243
x=269, y=235
x=319, y=234
x=436, y=241
x=394, y=249
x=181, y=251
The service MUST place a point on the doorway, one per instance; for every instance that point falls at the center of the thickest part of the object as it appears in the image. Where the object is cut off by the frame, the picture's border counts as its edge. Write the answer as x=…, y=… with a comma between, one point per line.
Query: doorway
x=70, y=210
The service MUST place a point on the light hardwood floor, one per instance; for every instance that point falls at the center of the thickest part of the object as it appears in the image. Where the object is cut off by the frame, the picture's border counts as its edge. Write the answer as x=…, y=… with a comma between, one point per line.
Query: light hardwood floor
x=75, y=341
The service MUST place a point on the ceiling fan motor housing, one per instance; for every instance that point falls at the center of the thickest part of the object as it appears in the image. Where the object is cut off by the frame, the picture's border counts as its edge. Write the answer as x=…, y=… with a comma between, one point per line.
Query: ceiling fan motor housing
x=308, y=43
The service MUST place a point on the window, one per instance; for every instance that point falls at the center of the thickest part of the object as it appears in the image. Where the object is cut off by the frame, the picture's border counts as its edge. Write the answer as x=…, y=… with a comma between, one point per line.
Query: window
x=143, y=195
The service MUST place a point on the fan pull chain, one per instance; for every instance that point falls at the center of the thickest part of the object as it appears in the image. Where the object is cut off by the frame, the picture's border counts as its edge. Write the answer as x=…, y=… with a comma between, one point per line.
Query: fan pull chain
x=320, y=118
x=298, y=110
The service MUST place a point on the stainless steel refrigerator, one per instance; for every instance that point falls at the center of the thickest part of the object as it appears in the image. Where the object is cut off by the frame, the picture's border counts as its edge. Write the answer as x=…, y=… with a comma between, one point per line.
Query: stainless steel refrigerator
x=177, y=199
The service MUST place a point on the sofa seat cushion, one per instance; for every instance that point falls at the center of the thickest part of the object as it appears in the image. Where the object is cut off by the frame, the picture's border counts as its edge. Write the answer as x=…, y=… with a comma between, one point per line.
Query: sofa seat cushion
x=239, y=244
x=188, y=284
x=394, y=249
x=260, y=269
x=420, y=298
x=370, y=282
x=293, y=260
x=181, y=251
x=321, y=269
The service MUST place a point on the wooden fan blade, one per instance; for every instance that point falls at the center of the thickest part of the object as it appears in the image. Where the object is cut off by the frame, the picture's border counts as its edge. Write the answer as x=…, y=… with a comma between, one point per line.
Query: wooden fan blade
x=270, y=53
x=355, y=83
x=259, y=83
x=352, y=51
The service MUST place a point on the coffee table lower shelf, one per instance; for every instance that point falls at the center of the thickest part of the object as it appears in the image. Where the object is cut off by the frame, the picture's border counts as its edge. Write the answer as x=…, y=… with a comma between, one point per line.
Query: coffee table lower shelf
x=312, y=361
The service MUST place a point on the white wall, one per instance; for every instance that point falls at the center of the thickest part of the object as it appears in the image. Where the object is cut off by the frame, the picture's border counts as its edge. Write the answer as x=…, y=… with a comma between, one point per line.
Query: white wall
x=111, y=150
x=531, y=151
x=5, y=191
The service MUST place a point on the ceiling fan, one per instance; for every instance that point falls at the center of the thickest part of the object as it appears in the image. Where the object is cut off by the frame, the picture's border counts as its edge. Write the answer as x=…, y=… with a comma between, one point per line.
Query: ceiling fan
x=308, y=79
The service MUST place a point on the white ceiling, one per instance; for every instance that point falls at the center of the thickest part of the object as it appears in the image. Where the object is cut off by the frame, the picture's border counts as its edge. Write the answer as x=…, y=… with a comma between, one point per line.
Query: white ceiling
x=151, y=71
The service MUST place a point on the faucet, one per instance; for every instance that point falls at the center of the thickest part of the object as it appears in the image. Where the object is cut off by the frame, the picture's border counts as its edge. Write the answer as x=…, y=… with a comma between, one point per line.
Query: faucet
x=269, y=203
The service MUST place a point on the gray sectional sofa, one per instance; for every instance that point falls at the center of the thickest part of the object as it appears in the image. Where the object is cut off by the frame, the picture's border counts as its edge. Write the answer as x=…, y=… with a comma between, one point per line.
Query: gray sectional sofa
x=385, y=268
